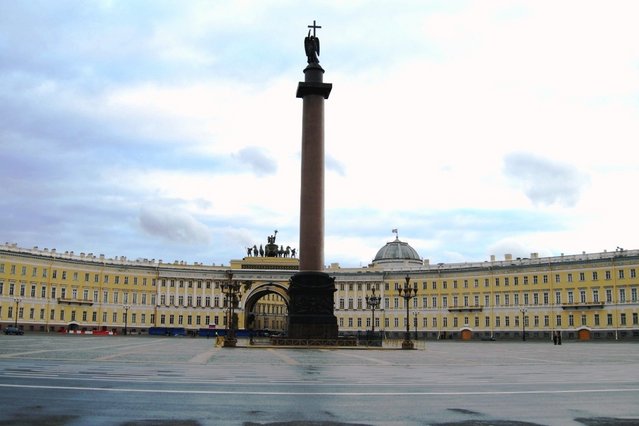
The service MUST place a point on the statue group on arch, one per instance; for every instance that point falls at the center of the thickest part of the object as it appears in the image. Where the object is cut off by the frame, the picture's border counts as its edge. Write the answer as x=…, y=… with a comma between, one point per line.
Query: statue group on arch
x=271, y=249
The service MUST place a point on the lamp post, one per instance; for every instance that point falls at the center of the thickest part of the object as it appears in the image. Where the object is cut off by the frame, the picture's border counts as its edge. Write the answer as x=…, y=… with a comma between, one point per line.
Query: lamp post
x=372, y=302
x=126, y=317
x=18, y=301
x=231, y=290
x=407, y=293
x=523, y=323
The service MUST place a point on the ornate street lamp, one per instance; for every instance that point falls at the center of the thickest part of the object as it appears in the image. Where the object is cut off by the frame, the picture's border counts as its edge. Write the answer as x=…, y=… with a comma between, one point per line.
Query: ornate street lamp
x=126, y=317
x=17, y=300
x=523, y=323
x=407, y=293
x=231, y=290
x=372, y=302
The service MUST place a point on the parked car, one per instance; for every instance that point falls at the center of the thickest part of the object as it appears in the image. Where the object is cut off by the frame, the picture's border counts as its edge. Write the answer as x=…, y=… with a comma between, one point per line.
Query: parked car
x=13, y=330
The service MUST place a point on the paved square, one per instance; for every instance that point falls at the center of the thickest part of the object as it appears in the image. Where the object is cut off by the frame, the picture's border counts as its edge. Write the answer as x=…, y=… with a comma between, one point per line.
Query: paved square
x=112, y=380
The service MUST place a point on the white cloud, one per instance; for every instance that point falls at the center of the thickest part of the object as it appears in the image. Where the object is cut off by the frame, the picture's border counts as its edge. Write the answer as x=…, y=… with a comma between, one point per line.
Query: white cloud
x=173, y=226
x=545, y=181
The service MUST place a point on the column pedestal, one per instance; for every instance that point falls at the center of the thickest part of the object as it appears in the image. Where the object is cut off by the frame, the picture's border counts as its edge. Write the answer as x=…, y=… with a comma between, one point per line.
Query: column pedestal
x=311, y=307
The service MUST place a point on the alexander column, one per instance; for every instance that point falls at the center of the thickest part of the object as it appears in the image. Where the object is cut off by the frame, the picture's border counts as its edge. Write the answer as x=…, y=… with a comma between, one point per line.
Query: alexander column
x=311, y=290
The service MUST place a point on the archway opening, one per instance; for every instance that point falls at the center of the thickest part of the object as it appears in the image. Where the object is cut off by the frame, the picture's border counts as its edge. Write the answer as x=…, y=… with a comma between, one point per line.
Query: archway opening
x=266, y=311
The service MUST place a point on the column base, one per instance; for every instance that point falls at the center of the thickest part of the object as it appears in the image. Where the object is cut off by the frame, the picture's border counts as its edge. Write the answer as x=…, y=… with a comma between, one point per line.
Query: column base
x=311, y=306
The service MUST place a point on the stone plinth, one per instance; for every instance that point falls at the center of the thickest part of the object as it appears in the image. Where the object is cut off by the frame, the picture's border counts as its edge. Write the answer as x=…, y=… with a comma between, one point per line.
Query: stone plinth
x=311, y=306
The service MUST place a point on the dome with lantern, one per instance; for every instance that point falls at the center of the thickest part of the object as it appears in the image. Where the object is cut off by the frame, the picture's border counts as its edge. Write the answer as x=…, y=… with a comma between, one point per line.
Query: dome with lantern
x=397, y=254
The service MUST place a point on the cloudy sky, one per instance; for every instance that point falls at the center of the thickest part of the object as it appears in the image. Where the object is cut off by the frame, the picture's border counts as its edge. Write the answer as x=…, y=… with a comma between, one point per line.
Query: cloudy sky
x=170, y=129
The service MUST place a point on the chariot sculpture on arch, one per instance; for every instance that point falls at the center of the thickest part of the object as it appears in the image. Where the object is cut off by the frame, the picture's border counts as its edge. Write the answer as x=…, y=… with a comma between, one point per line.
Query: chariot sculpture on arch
x=271, y=249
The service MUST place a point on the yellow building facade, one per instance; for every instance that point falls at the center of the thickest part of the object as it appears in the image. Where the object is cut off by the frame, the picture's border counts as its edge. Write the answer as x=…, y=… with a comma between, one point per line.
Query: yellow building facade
x=586, y=296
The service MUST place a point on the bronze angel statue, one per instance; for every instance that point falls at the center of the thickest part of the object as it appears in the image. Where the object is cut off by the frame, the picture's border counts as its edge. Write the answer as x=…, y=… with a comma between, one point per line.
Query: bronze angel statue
x=312, y=47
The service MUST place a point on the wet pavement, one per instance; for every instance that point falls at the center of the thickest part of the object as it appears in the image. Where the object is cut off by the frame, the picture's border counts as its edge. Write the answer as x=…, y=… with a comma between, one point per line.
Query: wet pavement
x=129, y=380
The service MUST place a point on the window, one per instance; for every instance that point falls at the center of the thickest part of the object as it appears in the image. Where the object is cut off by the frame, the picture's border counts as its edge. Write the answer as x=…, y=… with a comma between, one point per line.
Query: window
x=582, y=296
x=558, y=321
x=608, y=295
x=595, y=276
x=596, y=319
x=621, y=274
x=622, y=319
x=609, y=319
x=595, y=296
x=622, y=295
